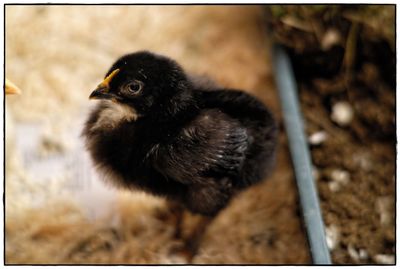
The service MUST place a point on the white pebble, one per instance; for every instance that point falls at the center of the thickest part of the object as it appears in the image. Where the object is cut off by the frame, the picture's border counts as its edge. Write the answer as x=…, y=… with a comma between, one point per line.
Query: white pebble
x=353, y=253
x=363, y=254
x=342, y=113
x=384, y=258
x=341, y=176
x=317, y=138
x=334, y=186
x=332, y=236
x=338, y=178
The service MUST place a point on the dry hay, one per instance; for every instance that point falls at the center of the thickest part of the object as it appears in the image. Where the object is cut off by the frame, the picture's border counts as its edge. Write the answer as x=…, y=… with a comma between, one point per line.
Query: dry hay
x=57, y=55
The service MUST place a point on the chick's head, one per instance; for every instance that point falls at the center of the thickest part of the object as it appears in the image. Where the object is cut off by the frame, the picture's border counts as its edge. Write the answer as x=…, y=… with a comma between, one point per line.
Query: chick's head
x=145, y=81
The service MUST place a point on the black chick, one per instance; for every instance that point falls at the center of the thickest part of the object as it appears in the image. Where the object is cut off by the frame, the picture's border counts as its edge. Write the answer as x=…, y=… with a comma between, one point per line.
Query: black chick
x=159, y=131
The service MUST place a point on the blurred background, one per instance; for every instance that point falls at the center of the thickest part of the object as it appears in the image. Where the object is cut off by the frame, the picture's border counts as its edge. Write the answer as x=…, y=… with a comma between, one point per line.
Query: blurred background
x=59, y=211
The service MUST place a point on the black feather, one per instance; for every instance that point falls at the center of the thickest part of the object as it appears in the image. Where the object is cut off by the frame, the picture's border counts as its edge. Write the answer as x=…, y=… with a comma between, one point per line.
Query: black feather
x=178, y=138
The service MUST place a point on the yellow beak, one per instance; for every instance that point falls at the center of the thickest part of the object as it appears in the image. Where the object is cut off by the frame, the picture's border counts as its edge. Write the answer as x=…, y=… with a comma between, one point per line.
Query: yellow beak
x=103, y=88
x=11, y=88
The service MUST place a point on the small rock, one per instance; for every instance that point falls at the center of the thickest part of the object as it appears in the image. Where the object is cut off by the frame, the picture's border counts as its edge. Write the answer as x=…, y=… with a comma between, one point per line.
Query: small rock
x=342, y=113
x=353, y=253
x=332, y=236
x=363, y=254
x=384, y=258
x=338, y=178
x=341, y=176
x=334, y=186
x=330, y=38
x=317, y=138
x=382, y=206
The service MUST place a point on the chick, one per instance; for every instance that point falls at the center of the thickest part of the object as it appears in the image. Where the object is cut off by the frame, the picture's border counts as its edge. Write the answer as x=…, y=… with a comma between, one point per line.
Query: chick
x=159, y=131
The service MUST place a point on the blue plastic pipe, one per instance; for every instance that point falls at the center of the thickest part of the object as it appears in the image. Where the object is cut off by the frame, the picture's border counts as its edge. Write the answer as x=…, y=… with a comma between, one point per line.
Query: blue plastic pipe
x=300, y=156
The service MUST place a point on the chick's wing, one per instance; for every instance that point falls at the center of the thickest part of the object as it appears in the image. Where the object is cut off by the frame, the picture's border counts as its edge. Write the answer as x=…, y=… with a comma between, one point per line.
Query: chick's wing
x=212, y=146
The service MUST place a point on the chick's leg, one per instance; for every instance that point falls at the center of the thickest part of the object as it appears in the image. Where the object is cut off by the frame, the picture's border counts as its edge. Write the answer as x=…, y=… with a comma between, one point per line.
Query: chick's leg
x=210, y=197
x=189, y=228
x=177, y=211
x=194, y=238
x=207, y=199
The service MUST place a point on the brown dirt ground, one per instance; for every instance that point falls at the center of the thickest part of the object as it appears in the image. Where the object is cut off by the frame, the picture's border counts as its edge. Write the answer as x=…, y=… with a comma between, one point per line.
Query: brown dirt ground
x=57, y=54
x=358, y=68
x=362, y=209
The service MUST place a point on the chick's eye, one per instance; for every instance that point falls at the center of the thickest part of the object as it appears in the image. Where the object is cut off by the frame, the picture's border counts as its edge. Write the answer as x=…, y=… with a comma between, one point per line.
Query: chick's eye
x=134, y=87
